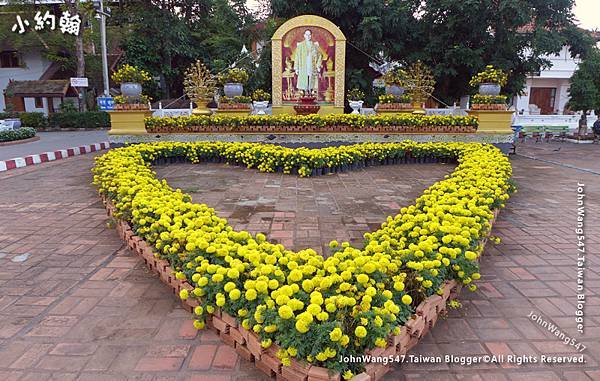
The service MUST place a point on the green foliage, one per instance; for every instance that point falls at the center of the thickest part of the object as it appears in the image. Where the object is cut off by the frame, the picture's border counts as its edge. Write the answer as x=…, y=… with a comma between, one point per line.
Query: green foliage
x=457, y=39
x=35, y=120
x=90, y=119
x=585, y=84
x=18, y=134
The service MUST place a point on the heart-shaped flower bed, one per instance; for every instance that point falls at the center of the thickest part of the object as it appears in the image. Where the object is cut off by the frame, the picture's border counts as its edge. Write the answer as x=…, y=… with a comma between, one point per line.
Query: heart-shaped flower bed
x=314, y=309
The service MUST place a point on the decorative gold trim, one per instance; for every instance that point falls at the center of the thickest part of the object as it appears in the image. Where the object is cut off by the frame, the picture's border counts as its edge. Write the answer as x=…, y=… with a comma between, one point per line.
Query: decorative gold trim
x=276, y=55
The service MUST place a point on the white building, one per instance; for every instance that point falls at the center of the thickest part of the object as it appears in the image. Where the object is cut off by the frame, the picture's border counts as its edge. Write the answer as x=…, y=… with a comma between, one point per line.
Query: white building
x=546, y=92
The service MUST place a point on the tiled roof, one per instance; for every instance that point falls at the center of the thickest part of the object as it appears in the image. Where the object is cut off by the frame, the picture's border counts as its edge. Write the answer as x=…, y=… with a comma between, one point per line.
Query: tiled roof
x=38, y=88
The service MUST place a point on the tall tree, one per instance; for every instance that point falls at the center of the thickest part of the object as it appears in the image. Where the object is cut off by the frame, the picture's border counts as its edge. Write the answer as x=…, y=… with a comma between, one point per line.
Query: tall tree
x=456, y=38
x=584, y=91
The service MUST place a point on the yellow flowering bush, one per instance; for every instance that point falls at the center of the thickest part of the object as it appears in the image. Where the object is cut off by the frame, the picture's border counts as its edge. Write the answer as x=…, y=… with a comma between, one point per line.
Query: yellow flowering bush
x=128, y=73
x=489, y=75
x=314, y=308
x=353, y=120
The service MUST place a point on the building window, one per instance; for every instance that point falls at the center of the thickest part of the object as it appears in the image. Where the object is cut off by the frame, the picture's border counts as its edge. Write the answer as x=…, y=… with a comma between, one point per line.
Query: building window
x=9, y=58
x=39, y=103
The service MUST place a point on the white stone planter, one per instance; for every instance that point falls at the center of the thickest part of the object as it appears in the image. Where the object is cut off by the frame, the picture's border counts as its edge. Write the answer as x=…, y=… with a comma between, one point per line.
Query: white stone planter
x=260, y=107
x=131, y=89
x=356, y=106
x=233, y=89
x=489, y=89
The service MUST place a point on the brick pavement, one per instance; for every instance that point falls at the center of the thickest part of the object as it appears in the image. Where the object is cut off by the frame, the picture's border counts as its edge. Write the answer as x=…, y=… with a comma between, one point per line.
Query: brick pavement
x=75, y=304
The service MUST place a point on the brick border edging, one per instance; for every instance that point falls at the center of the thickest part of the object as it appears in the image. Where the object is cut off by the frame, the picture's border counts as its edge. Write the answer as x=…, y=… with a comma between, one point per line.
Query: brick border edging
x=248, y=345
x=20, y=162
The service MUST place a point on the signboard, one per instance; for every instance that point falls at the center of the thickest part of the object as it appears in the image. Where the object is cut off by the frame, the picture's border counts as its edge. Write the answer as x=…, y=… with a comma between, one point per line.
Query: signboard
x=79, y=82
x=106, y=103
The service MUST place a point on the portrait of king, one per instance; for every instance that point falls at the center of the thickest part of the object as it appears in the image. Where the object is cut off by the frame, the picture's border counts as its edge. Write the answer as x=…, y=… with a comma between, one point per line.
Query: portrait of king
x=309, y=67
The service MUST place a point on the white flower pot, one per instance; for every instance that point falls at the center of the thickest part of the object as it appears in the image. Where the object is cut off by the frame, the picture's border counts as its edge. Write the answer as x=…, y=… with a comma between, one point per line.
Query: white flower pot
x=233, y=89
x=260, y=107
x=489, y=89
x=356, y=106
x=131, y=89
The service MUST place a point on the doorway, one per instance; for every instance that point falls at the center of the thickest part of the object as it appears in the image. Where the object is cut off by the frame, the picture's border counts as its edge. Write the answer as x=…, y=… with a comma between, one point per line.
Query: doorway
x=543, y=98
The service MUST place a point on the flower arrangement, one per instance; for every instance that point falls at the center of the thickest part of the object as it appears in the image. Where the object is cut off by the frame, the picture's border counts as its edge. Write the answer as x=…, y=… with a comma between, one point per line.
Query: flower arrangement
x=260, y=95
x=489, y=75
x=237, y=99
x=234, y=75
x=389, y=98
x=395, y=77
x=120, y=99
x=128, y=73
x=488, y=99
x=355, y=94
x=184, y=123
x=312, y=308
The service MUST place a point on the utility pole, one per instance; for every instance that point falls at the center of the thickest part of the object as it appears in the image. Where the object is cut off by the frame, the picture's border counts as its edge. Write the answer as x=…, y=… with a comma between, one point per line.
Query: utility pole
x=103, y=15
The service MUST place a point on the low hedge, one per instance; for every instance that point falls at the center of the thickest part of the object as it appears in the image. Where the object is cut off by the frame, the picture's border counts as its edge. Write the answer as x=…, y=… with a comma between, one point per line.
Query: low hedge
x=319, y=121
x=89, y=119
x=18, y=134
x=35, y=120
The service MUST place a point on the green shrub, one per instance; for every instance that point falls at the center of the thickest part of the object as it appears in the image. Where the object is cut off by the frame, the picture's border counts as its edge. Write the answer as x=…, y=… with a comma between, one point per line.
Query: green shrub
x=8, y=115
x=18, y=134
x=89, y=119
x=35, y=120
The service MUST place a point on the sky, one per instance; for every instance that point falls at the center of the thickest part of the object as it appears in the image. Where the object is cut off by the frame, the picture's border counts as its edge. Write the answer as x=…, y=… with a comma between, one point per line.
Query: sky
x=588, y=13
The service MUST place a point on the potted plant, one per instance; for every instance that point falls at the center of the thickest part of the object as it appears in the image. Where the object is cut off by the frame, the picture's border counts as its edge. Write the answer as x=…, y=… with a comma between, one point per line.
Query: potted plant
x=394, y=81
x=260, y=101
x=355, y=100
x=233, y=81
x=130, y=78
x=490, y=81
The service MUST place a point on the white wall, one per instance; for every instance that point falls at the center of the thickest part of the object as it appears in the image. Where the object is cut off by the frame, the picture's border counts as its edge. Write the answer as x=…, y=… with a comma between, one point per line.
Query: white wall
x=35, y=66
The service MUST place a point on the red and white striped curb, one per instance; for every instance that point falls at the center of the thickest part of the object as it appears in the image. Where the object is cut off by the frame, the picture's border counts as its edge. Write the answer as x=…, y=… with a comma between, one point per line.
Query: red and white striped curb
x=20, y=162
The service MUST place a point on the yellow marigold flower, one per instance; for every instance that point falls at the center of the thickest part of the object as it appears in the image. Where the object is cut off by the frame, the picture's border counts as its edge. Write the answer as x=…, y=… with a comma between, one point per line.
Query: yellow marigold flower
x=235, y=294
x=407, y=299
x=362, y=278
x=360, y=331
x=380, y=342
x=184, y=294
x=198, y=310
x=251, y=294
x=198, y=324
x=285, y=312
x=335, y=334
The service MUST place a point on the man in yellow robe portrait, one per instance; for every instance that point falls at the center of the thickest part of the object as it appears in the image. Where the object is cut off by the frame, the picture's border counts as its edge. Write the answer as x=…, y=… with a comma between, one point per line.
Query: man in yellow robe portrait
x=307, y=64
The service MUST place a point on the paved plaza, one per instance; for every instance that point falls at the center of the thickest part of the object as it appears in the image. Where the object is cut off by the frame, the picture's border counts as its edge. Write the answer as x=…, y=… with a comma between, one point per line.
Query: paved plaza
x=76, y=304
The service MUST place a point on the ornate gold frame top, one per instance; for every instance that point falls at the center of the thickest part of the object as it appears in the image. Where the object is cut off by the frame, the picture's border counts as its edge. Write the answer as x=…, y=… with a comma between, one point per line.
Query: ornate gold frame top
x=276, y=55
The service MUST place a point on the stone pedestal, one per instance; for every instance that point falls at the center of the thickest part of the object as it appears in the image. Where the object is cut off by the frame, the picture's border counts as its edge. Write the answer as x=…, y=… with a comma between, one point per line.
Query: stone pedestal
x=128, y=122
x=493, y=121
